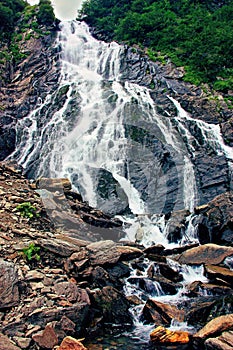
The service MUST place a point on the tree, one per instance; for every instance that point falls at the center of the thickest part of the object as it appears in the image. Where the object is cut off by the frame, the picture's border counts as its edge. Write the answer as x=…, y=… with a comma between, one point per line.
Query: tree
x=45, y=15
x=6, y=17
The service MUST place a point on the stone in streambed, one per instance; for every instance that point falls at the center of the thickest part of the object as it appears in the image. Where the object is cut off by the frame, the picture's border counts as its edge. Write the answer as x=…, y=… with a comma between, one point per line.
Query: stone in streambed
x=112, y=305
x=160, y=313
x=165, y=336
x=217, y=272
x=214, y=327
x=223, y=342
x=197, y=288
x=70, y=343
x=167, y=272
x=211, y=336
x=200, y=309
x=6, y=344
x=205, y=254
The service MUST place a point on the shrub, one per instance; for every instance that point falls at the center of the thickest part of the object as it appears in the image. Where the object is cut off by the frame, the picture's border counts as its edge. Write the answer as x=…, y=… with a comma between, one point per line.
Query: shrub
x=27, y=210
x=31, y=252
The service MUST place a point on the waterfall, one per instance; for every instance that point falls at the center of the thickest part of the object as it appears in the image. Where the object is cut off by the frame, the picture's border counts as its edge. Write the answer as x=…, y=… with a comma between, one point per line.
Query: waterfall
x=125, y=158
x=107, y=137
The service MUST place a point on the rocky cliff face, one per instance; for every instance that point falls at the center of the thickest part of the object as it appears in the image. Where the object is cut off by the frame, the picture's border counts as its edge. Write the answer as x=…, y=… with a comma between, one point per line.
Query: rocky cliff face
x=27, y=83
x=211, y=168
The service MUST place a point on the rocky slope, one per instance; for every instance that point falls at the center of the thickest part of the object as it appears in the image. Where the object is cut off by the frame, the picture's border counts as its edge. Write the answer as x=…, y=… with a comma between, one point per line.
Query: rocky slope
x=61, y=280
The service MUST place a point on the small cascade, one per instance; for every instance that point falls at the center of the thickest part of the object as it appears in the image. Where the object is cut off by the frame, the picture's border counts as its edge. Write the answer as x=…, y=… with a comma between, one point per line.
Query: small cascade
x=190, y=234
x=140, y=286
x=211, y=136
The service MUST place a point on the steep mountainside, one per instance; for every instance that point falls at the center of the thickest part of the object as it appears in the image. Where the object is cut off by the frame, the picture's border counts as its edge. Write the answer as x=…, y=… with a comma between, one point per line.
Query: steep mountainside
x=29, y=70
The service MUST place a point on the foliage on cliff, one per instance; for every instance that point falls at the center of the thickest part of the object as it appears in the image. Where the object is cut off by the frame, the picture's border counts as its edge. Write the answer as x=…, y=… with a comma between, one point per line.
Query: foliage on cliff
x=19, y=22
x=197, y=34
x=12, y=10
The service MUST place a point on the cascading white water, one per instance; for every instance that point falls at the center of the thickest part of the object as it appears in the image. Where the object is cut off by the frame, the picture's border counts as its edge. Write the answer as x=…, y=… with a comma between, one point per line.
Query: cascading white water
x=94, y=131
x=80, y=145
x=211, y=134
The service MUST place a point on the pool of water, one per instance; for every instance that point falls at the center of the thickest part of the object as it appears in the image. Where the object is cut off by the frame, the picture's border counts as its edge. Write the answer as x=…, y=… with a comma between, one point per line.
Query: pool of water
x=130, y=340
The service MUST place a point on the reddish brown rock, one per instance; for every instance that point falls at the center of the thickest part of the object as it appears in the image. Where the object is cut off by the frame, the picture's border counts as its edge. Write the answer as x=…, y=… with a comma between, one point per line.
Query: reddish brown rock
x=169, y=273
x=108, y=252
x=69, y=291
x=58, y=246
x=66, y=325
x=163, y=335
x=223, y=342
x=197, y=288
x=161, y=313
x=47, y=338
x=70, y=343
x=205, y=254
x=217, y=272
x=62, y=184
x=6, y=344
x=215, y=326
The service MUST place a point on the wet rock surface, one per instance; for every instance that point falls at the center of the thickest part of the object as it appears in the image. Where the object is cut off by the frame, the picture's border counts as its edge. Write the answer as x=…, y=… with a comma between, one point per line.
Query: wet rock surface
x=163, y=335
x=215, y=220
x=203, y=106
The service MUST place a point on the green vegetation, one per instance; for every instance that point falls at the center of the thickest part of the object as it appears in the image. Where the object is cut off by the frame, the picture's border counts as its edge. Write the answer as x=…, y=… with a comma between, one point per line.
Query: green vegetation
x=45, y=14
x=17, y=17
x=19, y=22
x=10, y=11
x=31, y=252
x=27, y=210
x=196, y=34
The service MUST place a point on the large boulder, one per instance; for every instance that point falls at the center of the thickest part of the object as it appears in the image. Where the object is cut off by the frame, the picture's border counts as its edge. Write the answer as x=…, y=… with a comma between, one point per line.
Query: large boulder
x=211, y=330
x=108, y=253
x=198, y=288
x=205, y=254
x=223, y=342
x=219, y=273
x=216, y=220
x=161, y=313
x=111, y=305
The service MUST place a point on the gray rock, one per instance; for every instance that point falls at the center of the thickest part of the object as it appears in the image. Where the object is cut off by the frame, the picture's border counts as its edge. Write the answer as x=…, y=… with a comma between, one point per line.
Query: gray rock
x=9, y=292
